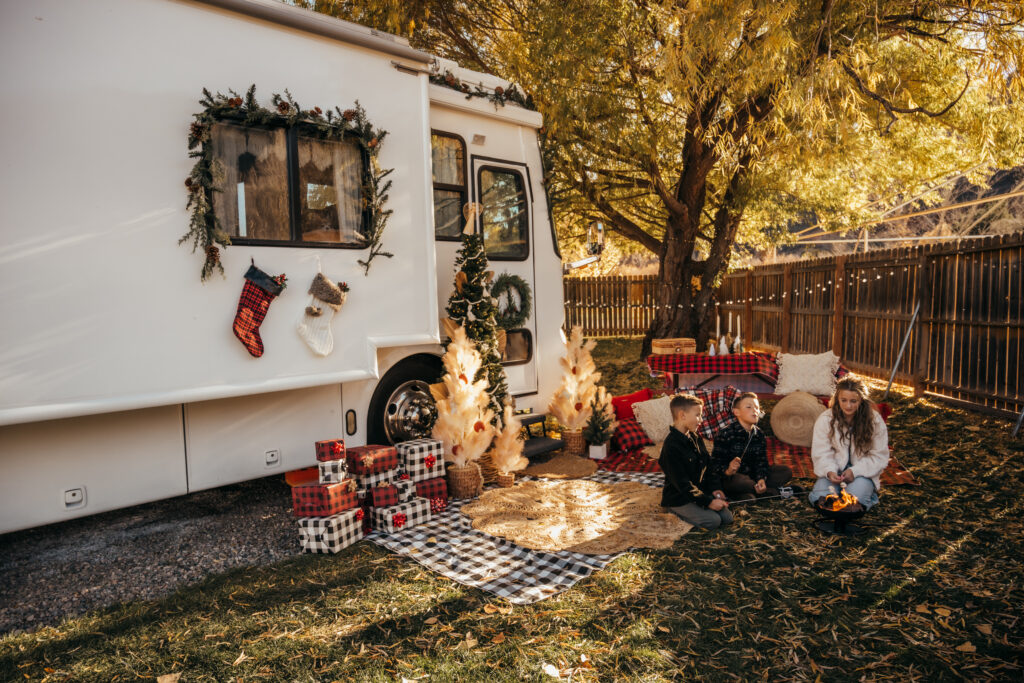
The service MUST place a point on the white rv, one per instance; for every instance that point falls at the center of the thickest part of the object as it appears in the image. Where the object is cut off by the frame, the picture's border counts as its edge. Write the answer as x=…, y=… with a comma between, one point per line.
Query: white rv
x=121, y=381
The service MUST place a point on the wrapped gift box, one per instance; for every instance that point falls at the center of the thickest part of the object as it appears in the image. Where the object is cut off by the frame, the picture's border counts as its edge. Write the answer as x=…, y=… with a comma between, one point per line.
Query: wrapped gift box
x=331, y=534
x=401, y=516
x=406, y=490
x=332, y=471
x=365, y=481
x=323, y=500
x=332, y=449
x=422, y=459
x=433, y=488
x=364, y=460
x=382, y=496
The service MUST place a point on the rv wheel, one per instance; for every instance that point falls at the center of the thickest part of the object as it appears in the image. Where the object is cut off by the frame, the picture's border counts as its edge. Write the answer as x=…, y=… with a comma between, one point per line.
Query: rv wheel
x=402, y=407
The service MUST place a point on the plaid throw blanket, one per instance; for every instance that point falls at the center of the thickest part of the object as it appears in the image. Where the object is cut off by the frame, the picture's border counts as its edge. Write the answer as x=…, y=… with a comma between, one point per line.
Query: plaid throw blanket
x=450, y=546
x=749, y=363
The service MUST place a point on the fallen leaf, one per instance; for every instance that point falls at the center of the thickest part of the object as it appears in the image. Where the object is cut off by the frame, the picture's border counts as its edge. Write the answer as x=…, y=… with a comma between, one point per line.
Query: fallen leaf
x=431, y=620
x=490, y=609
x=663, y=629
x=973, y=428
x=985, y=628
x=966, y=647
x=923, y=609
x=168, y=678
x=551, y=670
x=942, y=611
x=432, y=539
x=500, y=638
x=241, y=658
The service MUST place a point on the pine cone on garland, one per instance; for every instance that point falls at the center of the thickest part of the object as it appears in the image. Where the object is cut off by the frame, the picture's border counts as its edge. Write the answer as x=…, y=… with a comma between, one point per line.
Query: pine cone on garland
x=348, y=114
x=212, y=255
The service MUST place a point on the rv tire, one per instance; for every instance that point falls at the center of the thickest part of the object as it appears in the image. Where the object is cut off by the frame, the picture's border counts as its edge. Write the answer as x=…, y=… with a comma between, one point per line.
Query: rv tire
x=402, y=407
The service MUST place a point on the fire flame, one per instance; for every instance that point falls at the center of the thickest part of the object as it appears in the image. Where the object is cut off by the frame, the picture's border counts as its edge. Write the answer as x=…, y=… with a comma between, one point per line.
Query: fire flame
x=841, y=501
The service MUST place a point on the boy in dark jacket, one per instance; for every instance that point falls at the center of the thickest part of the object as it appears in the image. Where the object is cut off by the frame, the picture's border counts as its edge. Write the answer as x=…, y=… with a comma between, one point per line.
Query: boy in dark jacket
x=692, y=489
x=740, y=460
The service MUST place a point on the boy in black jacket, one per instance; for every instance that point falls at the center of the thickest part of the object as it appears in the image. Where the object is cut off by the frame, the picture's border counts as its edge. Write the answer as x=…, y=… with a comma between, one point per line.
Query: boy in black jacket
x=740, y=459
x=692, y=490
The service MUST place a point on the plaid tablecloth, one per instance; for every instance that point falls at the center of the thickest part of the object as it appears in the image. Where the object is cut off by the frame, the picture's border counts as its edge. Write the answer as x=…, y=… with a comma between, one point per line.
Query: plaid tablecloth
x=748, y=363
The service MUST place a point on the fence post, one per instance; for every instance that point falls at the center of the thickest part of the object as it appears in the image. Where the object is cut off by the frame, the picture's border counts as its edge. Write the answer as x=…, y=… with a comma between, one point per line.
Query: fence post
x=923, y=332
x=838, y=304
x=787, y=306
x=748, y=310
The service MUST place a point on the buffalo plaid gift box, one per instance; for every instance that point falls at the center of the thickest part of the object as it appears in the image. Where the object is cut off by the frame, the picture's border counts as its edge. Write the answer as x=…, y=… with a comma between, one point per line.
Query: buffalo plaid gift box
x=332, y=449
x=434, y=490
x=331, y=534
x=422, y=459
x=365, y=481
x=406, y=490
x=363, y=460
x=322, y=500
x=382, y=496
x=401, y=516
x=332, y=471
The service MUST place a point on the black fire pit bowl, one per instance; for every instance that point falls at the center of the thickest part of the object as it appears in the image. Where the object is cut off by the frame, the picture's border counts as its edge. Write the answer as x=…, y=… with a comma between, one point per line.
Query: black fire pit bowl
x=839, y=522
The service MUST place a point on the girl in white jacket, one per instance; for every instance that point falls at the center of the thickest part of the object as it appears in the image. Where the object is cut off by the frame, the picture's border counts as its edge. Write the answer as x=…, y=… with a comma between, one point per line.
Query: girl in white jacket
x=850, y=444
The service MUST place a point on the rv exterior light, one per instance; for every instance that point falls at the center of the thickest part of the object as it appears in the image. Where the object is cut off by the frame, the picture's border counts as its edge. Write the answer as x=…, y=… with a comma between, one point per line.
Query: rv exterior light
x=479, y=139
x=350, y=422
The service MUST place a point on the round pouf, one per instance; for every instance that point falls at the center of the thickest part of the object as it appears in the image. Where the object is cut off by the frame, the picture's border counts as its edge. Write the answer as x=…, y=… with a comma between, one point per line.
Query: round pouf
x=575, y=444
x=465, y=481
x=505, y=481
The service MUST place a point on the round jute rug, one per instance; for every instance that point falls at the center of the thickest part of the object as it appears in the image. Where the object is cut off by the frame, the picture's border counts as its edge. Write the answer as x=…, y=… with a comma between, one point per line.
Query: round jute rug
x=562, y=466
x=581, y=516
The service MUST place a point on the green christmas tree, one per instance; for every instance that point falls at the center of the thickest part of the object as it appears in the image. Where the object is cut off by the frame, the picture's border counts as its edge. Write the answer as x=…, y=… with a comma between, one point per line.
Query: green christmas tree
x=472, y=306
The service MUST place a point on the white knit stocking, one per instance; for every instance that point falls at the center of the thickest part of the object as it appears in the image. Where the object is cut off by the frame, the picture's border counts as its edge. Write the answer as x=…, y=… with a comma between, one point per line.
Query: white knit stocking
x=315, y=326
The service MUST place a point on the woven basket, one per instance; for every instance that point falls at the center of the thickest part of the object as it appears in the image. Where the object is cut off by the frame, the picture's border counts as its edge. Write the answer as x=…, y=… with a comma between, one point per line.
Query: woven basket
x=465, y=481
x=506, y=481
x=575, y=444
x=676, y=345
x=487, y=468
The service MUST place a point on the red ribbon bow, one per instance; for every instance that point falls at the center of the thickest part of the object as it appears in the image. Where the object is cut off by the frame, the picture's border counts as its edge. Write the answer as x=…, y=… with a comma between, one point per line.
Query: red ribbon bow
x=359, y=514
x=399, y=520
x=335, y=448
x=430, y=461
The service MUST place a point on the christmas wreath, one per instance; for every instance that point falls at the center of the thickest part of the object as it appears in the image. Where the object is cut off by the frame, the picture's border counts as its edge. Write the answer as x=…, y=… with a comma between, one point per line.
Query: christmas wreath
x=512, y=287
x=204, y=228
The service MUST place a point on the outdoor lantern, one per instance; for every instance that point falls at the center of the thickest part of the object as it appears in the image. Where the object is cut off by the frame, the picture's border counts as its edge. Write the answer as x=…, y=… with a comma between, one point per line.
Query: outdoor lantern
x=595, y=238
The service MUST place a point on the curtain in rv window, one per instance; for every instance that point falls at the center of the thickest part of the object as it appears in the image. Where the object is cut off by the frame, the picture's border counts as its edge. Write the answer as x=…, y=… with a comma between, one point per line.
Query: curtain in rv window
x=253, y=198
x=448, y=161
x=331, y=207
x=505, y=219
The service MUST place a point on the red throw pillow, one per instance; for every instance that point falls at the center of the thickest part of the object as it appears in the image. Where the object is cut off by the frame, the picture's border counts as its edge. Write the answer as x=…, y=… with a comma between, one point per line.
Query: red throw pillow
x=623, y=405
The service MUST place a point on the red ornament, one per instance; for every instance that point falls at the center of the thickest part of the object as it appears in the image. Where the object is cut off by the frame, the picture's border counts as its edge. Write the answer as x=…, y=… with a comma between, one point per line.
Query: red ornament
x=455, y=449
x=360, y=514
x=578, y=406
x=463, y=379
x=398, y=520
x=478, y=427
x=574, y=370
x=429, y=461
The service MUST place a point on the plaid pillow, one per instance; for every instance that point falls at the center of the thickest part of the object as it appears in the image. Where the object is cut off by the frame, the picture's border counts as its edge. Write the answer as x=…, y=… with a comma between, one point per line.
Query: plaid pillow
x=629, y=436
x=717, y=410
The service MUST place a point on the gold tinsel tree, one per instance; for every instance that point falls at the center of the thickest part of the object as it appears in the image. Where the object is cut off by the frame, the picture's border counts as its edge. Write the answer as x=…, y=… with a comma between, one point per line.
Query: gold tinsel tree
x=571, y=402
x=463, y=419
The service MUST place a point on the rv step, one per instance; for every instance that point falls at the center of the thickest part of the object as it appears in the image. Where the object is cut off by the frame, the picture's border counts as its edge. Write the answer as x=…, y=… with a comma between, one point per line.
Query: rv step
x=539, y=446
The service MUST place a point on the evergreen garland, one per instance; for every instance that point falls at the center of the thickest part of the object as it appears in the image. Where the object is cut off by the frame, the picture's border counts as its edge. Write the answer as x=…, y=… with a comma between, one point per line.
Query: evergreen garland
x=513, y=316
x=472, y=306
x=499, y=96
x=204, y=228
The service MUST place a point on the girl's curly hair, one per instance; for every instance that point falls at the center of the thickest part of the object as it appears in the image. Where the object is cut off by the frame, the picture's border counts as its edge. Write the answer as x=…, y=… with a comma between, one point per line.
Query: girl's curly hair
x=861, y=429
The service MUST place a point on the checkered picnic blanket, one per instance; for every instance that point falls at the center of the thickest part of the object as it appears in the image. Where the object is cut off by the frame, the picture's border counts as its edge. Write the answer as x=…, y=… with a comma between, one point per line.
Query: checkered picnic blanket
x=749, y=363
x=450, y=546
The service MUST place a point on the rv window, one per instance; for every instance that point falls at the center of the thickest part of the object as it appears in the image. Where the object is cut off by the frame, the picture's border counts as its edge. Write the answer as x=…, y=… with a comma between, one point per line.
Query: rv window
x=253, y=198
x=448, y=161
x=518, y=347
x=330, y=191
x=505, y=219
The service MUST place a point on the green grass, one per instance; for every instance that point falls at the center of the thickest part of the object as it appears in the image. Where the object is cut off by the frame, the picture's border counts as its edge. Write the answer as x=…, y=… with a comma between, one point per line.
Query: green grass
x=768, y=598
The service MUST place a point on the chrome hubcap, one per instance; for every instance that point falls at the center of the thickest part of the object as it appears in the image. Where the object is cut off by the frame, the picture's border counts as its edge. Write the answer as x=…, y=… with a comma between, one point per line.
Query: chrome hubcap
x=410, y=412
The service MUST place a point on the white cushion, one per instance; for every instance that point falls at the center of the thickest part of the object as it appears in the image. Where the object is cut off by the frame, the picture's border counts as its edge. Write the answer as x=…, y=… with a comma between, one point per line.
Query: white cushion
x=655, y=417
x=813, y=373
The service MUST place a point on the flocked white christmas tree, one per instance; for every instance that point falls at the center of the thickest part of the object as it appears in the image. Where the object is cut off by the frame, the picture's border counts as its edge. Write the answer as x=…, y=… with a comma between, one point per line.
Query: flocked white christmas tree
x=571, y=403
x=507, y=456
x=463, y=419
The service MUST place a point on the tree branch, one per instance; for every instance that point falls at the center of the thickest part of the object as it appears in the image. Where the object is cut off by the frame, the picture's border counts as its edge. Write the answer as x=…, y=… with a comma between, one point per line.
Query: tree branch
x=893, y=109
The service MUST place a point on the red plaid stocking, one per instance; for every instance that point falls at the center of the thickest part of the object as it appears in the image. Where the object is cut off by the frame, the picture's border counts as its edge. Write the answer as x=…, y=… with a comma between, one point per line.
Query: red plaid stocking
x=257, y=293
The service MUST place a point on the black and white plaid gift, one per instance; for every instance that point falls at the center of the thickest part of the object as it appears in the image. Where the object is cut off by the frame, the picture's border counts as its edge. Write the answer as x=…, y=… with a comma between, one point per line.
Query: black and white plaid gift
x=365, y=481
x=422, y=459
x=401, y=516
x=406, y=490
x=332, y=471
x=331, y=534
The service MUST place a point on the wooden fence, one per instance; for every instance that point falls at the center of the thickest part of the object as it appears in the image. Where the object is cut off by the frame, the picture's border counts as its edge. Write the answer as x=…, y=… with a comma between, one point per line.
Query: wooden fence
x=967, y=344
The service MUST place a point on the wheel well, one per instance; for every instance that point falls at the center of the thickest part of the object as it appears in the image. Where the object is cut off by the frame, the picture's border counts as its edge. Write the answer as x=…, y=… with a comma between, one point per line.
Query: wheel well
x=417, y=361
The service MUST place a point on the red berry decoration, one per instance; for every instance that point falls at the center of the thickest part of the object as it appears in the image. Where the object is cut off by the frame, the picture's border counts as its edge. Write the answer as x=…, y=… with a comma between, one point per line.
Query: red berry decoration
x=404, y=476
x=430, y=461
x=360, y=514
x=438, y=504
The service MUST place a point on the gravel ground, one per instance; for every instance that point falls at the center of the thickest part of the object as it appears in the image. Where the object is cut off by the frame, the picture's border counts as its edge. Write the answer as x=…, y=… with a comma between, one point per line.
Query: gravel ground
x=141, y=553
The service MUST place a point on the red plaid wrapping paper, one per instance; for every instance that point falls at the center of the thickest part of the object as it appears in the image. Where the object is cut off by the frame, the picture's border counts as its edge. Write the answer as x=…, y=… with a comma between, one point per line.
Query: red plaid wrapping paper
x=401, y=516
x=382, y=496
x=363, y=460
x=332, y=449
x=433, y=488
x=322, y=500
x=422, y=459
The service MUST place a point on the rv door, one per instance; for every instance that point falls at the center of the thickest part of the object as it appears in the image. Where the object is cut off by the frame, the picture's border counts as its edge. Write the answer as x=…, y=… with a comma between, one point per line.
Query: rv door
x=507, y=225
